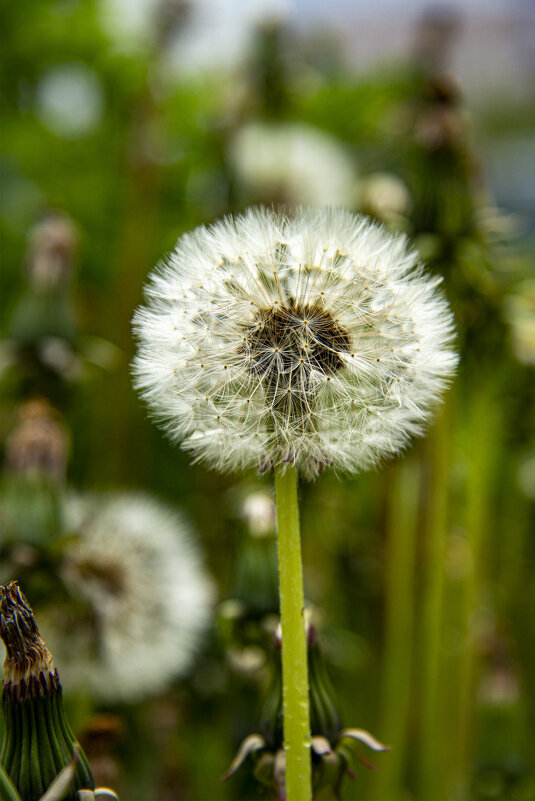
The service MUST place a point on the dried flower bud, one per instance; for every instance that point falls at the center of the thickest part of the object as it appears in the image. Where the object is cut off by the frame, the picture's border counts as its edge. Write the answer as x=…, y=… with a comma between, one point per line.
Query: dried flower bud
x=39, y=444
x=38, y=742
x=52, y=245
x=43, y=323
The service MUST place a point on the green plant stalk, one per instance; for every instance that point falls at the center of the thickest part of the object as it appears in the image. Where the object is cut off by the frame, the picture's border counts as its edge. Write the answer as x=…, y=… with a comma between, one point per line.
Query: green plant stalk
x=482, y=452
x=8, y=791
x=435, y=531
x=402, y=526
x=294, y=653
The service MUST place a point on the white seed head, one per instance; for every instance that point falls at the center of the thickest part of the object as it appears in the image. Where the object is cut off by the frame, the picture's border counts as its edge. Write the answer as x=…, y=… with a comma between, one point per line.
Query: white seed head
x=293, y=161
x=314, y=340
x=384, y=195
x=259, y=512
x=144, y=599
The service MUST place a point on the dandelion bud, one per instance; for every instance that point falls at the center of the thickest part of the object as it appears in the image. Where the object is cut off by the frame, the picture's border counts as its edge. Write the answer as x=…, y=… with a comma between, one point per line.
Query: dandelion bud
x=324, y=716
x=52, y=245
x=43, y=323
x=32, y=483
x=39, y=444
x=8, y=791
x=331, y=746
x=38, y=742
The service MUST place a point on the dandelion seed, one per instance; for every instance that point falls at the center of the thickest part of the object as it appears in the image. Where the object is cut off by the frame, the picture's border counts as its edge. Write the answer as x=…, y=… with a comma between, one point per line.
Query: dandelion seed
x=326, y=342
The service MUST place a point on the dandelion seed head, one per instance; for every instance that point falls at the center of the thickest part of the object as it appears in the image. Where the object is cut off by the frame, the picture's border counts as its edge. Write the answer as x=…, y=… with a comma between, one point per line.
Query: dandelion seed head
x=258, y=510
x=144, y=600
x=293, y=161
x=313, y=340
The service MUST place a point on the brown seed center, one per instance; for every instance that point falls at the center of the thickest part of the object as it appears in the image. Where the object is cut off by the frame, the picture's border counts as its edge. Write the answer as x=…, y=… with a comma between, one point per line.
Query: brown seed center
x=285, y=339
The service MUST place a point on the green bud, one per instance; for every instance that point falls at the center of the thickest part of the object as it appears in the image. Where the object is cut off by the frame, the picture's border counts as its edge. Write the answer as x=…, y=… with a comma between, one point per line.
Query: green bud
x=38, y=742
x=324, y=717
x=32, y=483
x=332, y=748
x=46, y=310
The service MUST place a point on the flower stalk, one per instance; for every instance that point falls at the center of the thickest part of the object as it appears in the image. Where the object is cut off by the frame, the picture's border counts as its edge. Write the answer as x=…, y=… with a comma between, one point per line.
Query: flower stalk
x=294, y=653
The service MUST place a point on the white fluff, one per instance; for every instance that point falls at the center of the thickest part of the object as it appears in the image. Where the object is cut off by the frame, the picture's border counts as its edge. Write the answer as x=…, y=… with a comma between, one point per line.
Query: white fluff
x=294, y=161
x=315, y=340
x=134, y=566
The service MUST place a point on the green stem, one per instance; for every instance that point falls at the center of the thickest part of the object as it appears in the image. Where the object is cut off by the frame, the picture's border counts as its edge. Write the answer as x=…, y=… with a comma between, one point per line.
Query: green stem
x=430, y=778
x=481, y=447
x=402, y=527
x=294, y=652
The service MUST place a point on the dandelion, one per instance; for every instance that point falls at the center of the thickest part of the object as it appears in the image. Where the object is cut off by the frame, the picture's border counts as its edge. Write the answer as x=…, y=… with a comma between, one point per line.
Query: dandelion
x=255, y=589
x=143, y=599
x=293, y=344
x=294, y=163
x=259, y=512
x=313, y=341
x=39, y=444
x=32, y=482
x=385, y=196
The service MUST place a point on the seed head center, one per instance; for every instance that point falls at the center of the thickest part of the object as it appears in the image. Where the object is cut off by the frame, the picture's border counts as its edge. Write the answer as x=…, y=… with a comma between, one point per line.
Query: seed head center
x=284, y=339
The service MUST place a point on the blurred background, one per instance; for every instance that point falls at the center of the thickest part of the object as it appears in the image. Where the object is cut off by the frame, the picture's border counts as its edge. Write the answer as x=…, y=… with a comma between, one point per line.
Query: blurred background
x=126, y=123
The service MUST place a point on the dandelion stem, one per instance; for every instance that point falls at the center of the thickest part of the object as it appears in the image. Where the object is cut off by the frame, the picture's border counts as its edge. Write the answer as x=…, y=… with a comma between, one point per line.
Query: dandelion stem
x=294, y=654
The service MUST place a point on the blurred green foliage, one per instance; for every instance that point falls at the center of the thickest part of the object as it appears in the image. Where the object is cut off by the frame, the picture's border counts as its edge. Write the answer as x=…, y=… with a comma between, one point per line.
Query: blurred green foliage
x=421, y=573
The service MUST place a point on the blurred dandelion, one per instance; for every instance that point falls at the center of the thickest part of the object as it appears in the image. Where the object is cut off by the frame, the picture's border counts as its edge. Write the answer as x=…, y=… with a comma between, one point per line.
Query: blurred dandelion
x=32, y=481
x=293, y=163
x=520, y=314
x=312, y=341
x=70, y=100
x=259, y=513
x=141, y=597
x=384, y=196
x=251, y=612
x=39, y=444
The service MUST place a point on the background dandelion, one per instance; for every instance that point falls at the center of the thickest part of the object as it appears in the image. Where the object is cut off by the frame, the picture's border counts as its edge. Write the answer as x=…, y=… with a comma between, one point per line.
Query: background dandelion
x=143, y=597
x=292, y=164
